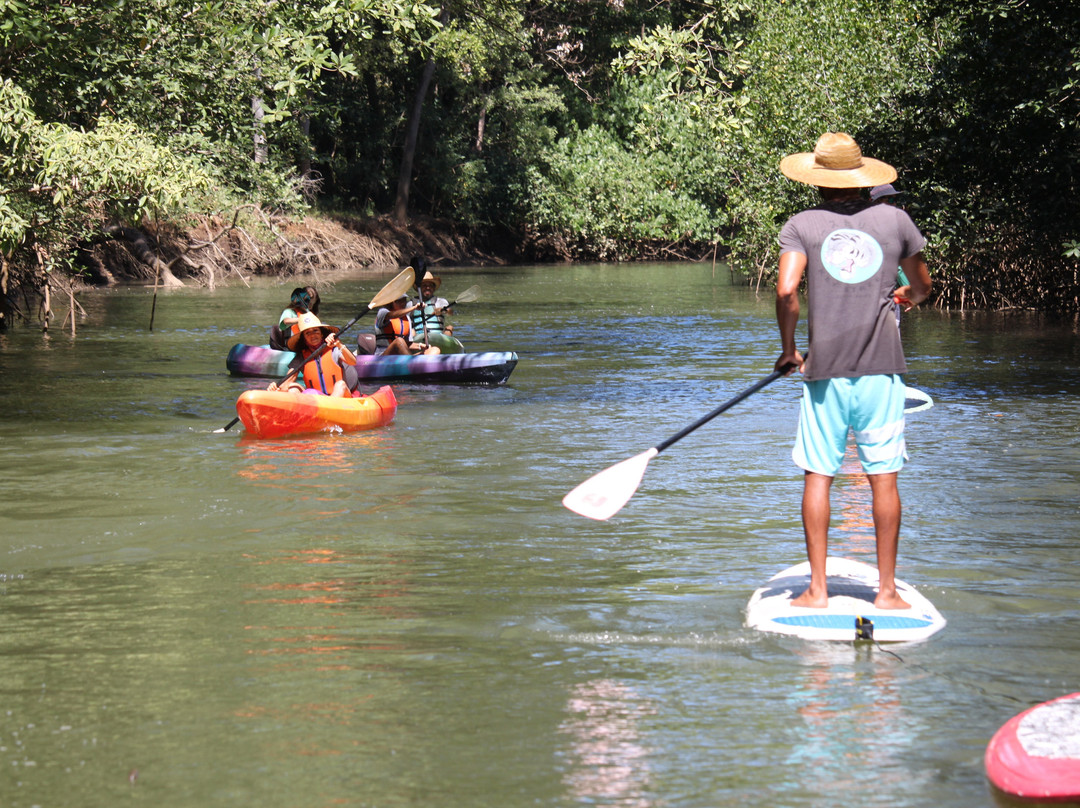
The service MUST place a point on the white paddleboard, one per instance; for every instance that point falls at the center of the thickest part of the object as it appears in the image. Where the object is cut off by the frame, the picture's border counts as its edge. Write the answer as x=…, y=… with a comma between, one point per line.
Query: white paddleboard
x=916, y=400
x=852, y=588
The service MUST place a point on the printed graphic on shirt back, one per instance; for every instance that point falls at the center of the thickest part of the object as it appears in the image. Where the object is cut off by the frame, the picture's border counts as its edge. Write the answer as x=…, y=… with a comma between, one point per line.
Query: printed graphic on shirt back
x=851, y=256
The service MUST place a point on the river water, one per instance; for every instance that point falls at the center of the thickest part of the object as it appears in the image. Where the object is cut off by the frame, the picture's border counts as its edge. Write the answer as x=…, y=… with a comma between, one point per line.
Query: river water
x=408, y=617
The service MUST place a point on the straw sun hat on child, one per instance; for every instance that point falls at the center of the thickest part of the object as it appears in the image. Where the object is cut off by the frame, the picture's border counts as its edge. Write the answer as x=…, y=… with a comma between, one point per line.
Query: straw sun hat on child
x=836, y=162
x=308, y=321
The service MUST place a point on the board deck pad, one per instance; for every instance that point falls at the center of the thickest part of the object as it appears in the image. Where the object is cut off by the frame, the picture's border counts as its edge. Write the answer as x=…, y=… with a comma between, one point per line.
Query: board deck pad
x=1036, y=754
x=850, y=615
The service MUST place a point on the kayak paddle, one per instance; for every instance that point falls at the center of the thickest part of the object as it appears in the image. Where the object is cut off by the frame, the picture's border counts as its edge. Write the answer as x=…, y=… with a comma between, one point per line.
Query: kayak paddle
x=468, y=296
x=602, y=496
x=399, y=286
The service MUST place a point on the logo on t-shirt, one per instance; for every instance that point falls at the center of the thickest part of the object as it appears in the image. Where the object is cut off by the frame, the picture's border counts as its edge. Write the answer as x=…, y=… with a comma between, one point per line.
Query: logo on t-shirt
x=851, y=256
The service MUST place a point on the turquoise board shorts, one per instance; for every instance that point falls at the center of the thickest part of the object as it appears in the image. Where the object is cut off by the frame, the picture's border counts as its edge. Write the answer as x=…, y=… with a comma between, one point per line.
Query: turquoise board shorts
x=870, y=406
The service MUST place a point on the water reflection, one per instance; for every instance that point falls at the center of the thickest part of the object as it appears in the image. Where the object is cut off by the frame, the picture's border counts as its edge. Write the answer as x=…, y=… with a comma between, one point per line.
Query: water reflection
x=854, y=728
x=854, y=533
x=322, y=659
x=312, y=471
x=610, y=759
x=317, y=602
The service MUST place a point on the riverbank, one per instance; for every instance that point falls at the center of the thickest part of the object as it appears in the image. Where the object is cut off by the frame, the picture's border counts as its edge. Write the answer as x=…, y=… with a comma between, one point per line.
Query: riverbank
x=215, y=250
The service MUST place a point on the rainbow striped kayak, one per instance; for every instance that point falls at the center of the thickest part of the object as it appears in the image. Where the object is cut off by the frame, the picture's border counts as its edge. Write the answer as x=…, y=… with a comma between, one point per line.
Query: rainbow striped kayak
x=492, y=367
x=268, y=414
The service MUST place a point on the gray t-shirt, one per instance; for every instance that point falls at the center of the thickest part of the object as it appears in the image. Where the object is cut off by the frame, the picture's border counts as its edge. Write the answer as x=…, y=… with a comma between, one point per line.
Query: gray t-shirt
x=851, y=260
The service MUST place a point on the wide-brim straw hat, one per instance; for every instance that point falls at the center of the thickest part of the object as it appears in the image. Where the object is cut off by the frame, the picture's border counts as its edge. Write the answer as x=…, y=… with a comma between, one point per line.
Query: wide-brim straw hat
x=429, y=278
x=837, y=162
x=308, y=321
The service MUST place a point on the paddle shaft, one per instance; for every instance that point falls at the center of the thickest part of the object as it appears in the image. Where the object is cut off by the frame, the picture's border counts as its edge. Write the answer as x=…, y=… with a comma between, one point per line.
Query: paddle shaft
x=727, y=405
x=604, y=494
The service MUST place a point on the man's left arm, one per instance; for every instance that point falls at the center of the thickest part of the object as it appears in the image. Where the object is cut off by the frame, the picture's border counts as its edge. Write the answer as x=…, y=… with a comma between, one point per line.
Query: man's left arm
x=919, y=283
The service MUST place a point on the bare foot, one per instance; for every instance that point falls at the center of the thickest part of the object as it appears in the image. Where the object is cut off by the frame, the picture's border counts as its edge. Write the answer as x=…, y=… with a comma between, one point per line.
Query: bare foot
x=890, y=600
x=811, y=600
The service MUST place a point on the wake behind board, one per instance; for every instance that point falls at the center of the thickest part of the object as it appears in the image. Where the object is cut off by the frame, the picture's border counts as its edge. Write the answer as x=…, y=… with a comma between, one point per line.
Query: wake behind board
x=916, y=400
x=852, y=586
x=1036, y=754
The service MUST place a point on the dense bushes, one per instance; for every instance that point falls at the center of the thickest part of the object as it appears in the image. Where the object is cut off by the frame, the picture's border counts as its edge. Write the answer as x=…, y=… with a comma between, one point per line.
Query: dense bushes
x=577, y=129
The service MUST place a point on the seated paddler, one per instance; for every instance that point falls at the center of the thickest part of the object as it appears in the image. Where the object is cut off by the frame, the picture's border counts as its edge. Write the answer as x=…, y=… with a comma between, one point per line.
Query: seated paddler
x=303, y=298
x=429, y=317
x=322, y=373
x=394, y=332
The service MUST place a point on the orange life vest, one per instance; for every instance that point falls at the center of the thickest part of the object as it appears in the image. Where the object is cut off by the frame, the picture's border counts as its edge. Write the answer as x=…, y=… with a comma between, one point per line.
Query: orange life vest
x=394, y=327
x=322, y=373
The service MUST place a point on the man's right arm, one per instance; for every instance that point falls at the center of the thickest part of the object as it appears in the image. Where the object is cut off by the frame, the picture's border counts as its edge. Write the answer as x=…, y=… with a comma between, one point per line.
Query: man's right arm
x=792, y=266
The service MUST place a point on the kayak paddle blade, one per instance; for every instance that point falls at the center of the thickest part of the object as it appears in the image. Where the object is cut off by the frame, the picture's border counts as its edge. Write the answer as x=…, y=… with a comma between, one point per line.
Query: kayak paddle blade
x=468, y=296
x=602, y=496
x=396, y=288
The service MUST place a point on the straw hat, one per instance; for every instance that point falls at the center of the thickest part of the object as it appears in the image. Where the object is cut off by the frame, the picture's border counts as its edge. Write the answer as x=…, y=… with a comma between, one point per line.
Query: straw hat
x=429, y=278
x=836, y=162
x=308, y=321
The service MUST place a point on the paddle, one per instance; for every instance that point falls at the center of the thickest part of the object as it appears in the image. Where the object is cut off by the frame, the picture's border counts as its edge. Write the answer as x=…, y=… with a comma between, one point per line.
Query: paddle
x=468, y=296
x=399, y=286
x=603, y=495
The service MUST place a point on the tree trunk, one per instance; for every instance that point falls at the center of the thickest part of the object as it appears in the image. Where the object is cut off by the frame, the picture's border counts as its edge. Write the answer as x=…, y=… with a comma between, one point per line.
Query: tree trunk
x=304, y=158
x=261, y=151
x=480, y=124
x=5, y=307
x=401, y=204
x=140, y=246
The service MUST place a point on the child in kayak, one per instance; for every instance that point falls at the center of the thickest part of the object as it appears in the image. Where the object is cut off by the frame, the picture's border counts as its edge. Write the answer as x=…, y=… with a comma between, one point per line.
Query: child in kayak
x=303, y=299
x=316, y=374
x=394, y=332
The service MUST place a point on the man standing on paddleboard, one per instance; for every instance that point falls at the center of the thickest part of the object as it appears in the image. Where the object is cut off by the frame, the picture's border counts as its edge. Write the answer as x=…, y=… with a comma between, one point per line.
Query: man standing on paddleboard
x=849, y=249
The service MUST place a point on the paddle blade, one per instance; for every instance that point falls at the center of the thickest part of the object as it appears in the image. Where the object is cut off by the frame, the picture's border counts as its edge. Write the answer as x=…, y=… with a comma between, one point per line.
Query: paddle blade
x=396, y=288
x=603, y=495
x=468, y=296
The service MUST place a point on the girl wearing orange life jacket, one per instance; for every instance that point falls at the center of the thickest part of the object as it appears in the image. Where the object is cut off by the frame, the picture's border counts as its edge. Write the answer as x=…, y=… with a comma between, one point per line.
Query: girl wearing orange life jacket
x=322, y=373
x=393, y=332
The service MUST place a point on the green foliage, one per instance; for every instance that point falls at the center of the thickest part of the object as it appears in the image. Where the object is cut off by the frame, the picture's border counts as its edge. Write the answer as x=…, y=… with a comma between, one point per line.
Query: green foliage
x=64, y=182
x=586, y=128
x=122, y=109
x=992, y=143
x=610, y=198
x=833, y=65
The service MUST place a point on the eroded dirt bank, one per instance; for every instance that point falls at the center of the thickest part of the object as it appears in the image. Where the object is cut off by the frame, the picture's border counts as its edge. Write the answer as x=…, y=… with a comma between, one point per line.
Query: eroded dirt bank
x=217, y=250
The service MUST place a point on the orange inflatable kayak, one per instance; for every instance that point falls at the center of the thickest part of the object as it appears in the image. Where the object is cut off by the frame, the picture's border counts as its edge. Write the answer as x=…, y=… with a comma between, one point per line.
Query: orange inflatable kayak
x=274, y=415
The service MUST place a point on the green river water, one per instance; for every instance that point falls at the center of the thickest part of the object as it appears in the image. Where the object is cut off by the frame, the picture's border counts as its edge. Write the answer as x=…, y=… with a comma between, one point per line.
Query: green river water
x=408, y=617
